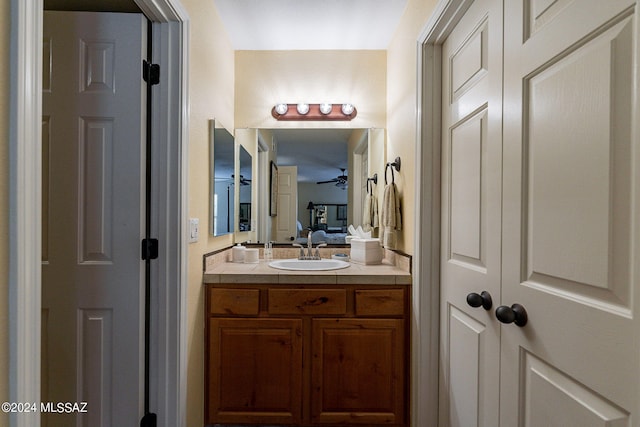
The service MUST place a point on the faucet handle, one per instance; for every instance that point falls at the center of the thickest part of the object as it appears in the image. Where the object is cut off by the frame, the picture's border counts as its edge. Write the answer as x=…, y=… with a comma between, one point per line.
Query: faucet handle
x=320, y=245
x=298, y=245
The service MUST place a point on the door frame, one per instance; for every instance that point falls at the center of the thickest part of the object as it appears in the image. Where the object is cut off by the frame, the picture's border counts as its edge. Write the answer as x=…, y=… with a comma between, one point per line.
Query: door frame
x=355, y=174
x=426, y=269
x=170, y=124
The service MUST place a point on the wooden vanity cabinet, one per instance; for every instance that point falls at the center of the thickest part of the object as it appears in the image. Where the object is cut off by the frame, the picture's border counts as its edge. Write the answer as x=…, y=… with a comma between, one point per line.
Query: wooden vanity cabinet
x=306, y=355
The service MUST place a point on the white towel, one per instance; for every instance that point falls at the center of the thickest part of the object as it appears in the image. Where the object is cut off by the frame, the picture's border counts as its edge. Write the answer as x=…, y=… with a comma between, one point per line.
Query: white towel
x=370, y=214
x=390, y=216
x=375, y=222
x=366, y=215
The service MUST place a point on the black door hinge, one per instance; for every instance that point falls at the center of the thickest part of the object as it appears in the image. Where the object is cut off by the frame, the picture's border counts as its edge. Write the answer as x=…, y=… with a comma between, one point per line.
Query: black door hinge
x=151, y=73
x=149, y=249
x=149, y=420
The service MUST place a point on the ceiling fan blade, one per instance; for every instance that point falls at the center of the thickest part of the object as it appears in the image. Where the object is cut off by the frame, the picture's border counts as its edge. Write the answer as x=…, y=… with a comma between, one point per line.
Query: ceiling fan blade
x=327, y=182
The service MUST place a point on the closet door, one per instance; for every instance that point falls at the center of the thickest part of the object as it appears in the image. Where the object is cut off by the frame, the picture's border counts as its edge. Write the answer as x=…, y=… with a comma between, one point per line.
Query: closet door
x=571, y=219
x=471, y=211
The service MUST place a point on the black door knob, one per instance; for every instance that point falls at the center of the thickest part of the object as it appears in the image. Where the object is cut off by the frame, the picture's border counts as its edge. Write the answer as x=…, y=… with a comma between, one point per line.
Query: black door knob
x=483, y=299
x=514, y=314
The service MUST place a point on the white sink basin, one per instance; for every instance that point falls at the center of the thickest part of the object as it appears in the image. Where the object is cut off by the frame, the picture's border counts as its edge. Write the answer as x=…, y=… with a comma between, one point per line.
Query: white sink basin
x=308, y=265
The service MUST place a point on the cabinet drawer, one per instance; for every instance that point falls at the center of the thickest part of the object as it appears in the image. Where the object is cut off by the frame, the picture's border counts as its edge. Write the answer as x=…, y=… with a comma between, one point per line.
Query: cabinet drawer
x=383, y=302
x=234, y=301
x=307, y=301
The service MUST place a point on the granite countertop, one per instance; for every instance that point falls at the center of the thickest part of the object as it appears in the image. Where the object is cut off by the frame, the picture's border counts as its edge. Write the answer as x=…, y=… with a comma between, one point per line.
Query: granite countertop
x=383, y=274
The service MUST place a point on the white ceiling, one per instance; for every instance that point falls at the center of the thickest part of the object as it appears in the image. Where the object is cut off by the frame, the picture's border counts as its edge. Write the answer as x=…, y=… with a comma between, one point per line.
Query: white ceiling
x=318, y=153
x=310, y=24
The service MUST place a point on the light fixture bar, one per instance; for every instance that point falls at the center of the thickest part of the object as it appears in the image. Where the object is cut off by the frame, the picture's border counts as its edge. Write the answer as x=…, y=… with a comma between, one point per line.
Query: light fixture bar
x=315, y=112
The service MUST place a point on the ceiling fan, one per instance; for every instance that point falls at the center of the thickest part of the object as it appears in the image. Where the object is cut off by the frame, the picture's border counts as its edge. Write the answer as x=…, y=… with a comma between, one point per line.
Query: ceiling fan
x=243, y=180
x=340, y=180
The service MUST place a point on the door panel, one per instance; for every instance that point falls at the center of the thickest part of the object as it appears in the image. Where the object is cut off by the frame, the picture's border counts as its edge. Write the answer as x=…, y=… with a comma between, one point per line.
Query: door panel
x=286, y=229
x=584, y=180
x=470, y=233
x=466, y=220
x=570, y=219
x=92, y=274
x=555, y=399
x=466, y=349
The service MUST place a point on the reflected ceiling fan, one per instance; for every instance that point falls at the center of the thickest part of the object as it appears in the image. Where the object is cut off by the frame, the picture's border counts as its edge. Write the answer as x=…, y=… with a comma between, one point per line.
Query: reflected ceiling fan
x=340, y=180
x=243, y=180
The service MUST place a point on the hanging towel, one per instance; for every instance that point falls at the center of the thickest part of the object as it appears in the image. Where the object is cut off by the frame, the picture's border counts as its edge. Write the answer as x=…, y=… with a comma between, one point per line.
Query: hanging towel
x=366, y=215
x=375, y=222
x=370, y=214
x=390, y=216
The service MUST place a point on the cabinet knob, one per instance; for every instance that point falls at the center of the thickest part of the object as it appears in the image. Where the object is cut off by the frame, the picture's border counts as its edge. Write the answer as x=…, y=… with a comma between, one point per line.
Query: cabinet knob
x=483, y=299
x=514, y=314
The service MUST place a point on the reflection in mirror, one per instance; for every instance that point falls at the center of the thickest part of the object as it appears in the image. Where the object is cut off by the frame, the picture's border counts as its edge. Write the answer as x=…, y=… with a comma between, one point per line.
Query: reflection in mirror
x=221, y=146
x=315, y=155
x=244, y=212
x=325, y=194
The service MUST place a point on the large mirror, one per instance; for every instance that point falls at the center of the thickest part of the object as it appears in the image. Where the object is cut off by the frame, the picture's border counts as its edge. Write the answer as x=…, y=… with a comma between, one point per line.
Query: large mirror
x=322, y=181
x=222, y=163
x=244, y=209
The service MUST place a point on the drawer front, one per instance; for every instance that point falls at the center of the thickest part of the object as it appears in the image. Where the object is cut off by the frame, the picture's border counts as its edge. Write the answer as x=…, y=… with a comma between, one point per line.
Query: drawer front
x=234, y=301
x=307, y=301
x=383, y=302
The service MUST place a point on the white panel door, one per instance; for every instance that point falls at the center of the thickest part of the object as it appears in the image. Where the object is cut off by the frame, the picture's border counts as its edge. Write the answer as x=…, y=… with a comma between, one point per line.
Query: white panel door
x=93, y=218
x=571, y=214
x=471, y=212
x=287, y=202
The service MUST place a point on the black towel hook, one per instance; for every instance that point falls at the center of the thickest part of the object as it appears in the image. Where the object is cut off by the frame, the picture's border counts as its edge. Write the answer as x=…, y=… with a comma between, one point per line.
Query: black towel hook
x=393, y=165
x=375, y=181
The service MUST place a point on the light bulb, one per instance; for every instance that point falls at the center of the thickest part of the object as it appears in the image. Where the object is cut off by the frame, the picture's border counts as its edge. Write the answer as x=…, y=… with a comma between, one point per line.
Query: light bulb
x=303, y=108
x=325, y=108
x=281, y=108
x=347, y=109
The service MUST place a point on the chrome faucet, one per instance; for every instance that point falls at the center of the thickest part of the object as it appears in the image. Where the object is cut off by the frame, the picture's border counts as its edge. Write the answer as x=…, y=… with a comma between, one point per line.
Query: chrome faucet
x=309, y=244
x=310, y=255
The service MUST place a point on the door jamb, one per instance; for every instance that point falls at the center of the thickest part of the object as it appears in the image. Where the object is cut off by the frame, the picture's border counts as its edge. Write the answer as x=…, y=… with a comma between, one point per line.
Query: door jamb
x=356, y=173
x=426, y=269
x=171, y=23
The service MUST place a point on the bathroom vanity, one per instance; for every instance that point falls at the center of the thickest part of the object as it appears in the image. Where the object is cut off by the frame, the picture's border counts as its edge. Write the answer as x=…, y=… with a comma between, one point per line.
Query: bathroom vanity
x=306, y=349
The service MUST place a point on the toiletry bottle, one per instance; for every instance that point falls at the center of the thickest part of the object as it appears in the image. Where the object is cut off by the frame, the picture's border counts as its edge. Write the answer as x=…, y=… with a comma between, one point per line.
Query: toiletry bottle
x=268, y=252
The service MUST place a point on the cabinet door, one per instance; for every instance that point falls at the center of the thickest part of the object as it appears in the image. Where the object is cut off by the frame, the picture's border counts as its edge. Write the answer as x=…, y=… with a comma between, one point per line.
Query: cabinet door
x=255, y=371
x=358, y=371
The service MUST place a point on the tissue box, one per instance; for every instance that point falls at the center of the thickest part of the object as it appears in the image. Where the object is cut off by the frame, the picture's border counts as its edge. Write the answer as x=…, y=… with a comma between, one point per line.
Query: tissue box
x=366, y=251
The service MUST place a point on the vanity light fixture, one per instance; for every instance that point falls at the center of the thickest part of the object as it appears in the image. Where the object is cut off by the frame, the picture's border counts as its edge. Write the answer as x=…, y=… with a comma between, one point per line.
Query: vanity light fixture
x=318, y=112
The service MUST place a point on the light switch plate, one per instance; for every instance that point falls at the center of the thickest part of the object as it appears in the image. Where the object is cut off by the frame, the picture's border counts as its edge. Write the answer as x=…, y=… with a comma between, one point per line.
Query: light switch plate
x=194, y=230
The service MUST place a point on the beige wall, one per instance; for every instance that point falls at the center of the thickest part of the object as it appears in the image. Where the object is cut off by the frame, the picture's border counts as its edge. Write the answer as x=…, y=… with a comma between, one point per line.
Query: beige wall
x=4, y=202
x=211, y=96
x=264, y=78
x=402, y=112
